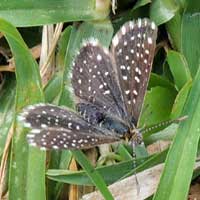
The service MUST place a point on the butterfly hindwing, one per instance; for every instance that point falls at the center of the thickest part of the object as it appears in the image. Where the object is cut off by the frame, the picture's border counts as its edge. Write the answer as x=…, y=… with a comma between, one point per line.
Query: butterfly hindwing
x=60, y=128
x=60, y=138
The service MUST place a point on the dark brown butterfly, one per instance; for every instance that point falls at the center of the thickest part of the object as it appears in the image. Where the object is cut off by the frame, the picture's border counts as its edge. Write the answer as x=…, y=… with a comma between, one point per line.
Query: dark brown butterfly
x=111, y=86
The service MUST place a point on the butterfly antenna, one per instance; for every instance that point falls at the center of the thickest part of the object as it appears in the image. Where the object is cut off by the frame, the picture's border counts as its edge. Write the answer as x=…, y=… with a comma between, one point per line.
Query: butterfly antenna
x=162, y=125
x=134, y=167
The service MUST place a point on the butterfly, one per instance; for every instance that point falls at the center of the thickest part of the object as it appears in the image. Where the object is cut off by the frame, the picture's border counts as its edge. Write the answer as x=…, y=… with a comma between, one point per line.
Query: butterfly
x=110, y=85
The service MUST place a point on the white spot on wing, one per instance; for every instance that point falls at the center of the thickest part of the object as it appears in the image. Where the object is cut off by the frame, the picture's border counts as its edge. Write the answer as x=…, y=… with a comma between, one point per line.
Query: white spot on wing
x=101, y=86
x=115, y=41
x=149, y=40
x=99, y=57
x=125, y=78
x=122, y=67
x=127, y=91
x=44, y=126
x=139, y=23
x=106, y=73
x=135, y=92
x=79, y=81
x=153, y=26
x=131, y=24
x=123, y=30
x=107, y=92
x=137, y=79
x=147, y=51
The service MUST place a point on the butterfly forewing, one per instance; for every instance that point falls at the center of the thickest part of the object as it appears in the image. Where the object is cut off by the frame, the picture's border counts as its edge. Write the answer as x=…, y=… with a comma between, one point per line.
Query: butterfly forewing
x=59, y=128
x=94, y=79
x=133, y=50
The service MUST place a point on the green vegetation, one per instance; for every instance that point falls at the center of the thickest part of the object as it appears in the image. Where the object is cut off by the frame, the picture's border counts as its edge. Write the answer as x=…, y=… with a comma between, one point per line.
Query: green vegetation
x=173, y=91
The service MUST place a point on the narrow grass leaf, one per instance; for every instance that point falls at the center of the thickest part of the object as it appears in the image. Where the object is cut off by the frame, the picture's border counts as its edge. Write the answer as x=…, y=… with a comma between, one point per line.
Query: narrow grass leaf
x=181, y=158
x=27, y=164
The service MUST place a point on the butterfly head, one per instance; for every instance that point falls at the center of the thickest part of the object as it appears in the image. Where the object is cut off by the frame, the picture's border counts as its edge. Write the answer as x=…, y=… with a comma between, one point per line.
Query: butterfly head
x=135, y=136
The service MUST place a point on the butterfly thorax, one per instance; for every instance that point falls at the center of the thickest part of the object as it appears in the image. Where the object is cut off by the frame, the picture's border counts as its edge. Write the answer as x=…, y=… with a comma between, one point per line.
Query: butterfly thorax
x=90, y=113
x=115, y=125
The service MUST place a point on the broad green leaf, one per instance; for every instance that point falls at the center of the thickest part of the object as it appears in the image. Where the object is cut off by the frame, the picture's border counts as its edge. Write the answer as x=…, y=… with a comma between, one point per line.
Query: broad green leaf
x=179, y=68
x=124, y=153
x=180, y=100
x=140, y=4
x=174, y=30
x=157, y=105
x=110, y=173
x=162, y=11
x=157, y=80
x=34, y=13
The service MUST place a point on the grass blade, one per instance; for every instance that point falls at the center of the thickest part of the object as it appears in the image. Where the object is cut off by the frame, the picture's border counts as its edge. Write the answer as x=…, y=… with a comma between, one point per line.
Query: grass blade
x=26, y=163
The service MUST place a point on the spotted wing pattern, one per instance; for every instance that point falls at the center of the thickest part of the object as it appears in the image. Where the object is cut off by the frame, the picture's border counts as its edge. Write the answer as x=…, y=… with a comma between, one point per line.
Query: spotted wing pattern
x=60, y=128
x=94, y=79
x=133, y=50
x=111, y=88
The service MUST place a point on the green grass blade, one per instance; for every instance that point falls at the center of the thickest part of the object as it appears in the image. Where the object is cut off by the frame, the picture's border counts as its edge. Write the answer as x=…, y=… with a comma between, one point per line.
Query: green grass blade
x=179, y=165
x=7, y=96
x=34, y=13
x=180, y=161
x=174, y=30
x=190, y=36
x=179, y=68
x=180, y=100
x=93, y=174
x=26, y=165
